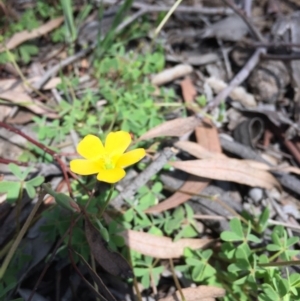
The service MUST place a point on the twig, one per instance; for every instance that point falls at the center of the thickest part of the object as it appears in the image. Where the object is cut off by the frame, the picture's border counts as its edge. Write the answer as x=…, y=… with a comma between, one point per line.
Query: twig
x=285, y=57
x=7, y=161
x=44, y=148
x=294, y=228
x=275, y=44
x=177, y=284
x=53, y=71
x=142, y=178
x=237, y=80
x=184, y=9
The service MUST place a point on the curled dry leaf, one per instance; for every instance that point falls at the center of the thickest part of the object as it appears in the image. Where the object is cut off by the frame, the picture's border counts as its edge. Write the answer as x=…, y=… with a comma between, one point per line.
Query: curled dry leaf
x=169, y=75
x=26, y=35
x=161, y=247
x=199, y=293
x=175, y=128
x=226, y=169
x=112, y=262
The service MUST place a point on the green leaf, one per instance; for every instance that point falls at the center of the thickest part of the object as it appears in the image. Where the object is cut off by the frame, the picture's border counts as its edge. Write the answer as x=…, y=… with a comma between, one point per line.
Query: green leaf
x=263, y=219
x=147, y=201
x=295, y=280
x=12, y=190
x=15, y=169
x=187, y=252
x=178, y=215
x=138, y=272
x=253, y=238
x=283, y=287
x=156, y=231
x=103, y=231
x=198, y=271
x=270, y=293
x=192, y=261
x=30, y=190
x=128, y=215
x=236, y=227
x=273, y=248
x=37, y=181
x=65, y=201
x=146, y=280
x=186, y=232
x=171, y=225
x=189, y=212
x=291, y=241
x=230, y=236
x=201, y=100
x=157, y=187
x=118, y=240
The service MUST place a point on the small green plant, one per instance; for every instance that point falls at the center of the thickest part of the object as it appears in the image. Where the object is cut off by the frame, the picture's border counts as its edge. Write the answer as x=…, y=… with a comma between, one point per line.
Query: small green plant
x=146, y=269
x=14, y=189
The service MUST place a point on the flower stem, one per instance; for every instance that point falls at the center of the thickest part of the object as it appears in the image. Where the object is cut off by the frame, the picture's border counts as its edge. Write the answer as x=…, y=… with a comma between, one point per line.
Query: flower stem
x=107, y=200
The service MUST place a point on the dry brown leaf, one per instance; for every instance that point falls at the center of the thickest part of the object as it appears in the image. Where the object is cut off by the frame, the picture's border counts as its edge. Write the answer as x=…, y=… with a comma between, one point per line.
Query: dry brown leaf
x=197, y=150
x=287, y=169
x=18, y=86
x=176, y=127
x=112, y=262
x=257, y=165
x=170, y=74
x=26, y=35
x=193, y=184
x=23, y=99
x=199, y=293
x=161, y=247
x=226, y=169
x=189, y=91
x=207, y=136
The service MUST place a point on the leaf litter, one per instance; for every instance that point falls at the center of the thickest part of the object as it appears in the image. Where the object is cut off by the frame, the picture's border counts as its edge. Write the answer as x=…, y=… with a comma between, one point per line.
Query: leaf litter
x=225, y=66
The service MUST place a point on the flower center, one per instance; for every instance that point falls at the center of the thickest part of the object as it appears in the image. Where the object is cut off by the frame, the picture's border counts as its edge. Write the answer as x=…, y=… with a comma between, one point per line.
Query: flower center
x=108, y=162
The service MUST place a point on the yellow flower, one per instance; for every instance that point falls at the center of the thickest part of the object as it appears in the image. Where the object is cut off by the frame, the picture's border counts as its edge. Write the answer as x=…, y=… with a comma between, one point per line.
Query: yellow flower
x=109, y=160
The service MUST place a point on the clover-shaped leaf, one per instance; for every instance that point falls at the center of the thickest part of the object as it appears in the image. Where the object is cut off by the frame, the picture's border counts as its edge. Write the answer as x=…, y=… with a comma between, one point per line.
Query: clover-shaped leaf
x=31, y=184
x=12, y=190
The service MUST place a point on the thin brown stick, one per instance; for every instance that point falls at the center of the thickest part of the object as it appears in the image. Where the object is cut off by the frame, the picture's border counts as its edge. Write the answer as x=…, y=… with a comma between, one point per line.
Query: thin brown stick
x=49, y=151
x=184, y=9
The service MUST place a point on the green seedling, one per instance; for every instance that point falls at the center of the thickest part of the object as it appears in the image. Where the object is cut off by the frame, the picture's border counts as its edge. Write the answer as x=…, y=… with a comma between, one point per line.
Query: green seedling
x=14, y=189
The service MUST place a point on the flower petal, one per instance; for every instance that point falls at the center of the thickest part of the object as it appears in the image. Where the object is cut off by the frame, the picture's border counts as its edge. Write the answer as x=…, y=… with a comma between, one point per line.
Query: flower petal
x=131, y=157
x=111, y=175
x=116, y=143
x=84, y=167
x=90, y=147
